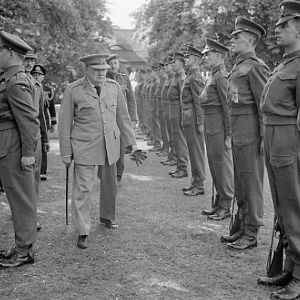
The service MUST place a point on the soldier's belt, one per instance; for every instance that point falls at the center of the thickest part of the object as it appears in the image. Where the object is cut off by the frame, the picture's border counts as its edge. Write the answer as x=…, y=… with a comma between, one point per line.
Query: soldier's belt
x=212, y=109
x=280, y=120
x=246, y=109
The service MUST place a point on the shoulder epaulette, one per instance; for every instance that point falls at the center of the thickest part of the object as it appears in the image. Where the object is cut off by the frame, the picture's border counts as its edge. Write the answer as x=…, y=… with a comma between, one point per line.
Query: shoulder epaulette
x=111, y=80
x=75, y=83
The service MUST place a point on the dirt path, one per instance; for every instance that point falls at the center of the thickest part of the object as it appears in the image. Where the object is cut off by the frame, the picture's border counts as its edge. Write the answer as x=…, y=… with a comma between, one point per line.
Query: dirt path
x=163, y=249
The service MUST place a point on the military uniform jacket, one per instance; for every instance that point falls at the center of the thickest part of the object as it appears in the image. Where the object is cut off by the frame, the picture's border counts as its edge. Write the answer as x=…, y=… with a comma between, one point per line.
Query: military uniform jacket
x=17, y=110
x=90, y=125
x=174, y=94
x=158, y=90
x=126, y=86
x=190, y=93
x=281, y=96
x=165, y=88
x=214, y=95
x=246, y=82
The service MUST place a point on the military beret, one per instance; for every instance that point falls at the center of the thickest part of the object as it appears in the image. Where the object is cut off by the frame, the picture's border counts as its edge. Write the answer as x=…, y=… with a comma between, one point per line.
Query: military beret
x=213, y=45
x=245, y=25
x=38, y=69
x=192, y=50
x=111, y=57
x=14, y=43
x=96, y=61
x=289, y=10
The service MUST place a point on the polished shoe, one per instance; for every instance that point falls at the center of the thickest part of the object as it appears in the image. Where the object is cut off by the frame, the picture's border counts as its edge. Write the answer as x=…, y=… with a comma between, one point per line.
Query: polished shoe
x=232, y=238
x=220, y=214
x=243, y=243
x=195, y=191
x=82, y=241
x=289, y=292
x=108, y=223
x=38, y=226
x=43, y=177
x=187, y=188
x=17, y=259
x=207, y=212
x=172, y=172
x=180, y=174
x=6, y=254
x=280, y=279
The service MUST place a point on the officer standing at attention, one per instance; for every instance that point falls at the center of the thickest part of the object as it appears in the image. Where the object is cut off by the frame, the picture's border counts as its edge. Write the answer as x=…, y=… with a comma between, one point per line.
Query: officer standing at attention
x=218, y=129
x=92, y=116
x=245, y=85
x=281, y=110
x=193, y=122
x=174, y=94
x=124, y=82
x=18, y=139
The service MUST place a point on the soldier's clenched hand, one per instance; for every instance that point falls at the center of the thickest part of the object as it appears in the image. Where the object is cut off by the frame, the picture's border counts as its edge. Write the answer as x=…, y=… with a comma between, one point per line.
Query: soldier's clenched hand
x=27, y=162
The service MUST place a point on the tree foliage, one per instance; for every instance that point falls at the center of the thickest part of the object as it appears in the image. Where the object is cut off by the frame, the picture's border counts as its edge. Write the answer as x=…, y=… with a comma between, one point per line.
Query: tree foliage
x=62, y=30
x=168, y=26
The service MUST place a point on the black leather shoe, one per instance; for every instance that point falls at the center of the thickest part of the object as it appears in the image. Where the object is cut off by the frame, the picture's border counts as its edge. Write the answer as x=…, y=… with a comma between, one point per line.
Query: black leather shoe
x=108, y=223
x=38, y=226
x=82, y=241
x=243, y=243
x=207, y=212
x=195, y=191
x=17, y=259
x=187, y=188
x=280, y=279
x=172, y=172
x=6, y=254
x=43, y=177
x=232, y=238
x=289, y=292
x=180, y=174
x=220, y=214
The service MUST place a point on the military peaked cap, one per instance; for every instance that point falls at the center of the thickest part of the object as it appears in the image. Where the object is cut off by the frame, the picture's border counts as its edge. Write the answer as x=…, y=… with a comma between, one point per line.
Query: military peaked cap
x=96, y=61
x=14, y=43
x=111, y=57
x=38, y=69
x=213, y=45
x=289, y=10
x=191, y=50
x=32, y=53
x=245, y=25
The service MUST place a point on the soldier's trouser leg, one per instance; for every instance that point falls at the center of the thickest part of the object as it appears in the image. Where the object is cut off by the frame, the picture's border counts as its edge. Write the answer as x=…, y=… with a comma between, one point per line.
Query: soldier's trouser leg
x=282, y=147
x=108, y=191
x=120, y=163
x=169, y=128
x=249, y=171
x=44, y=163
x=19, y=187
x=83, y=180
x=219, y=159
x=163, y=129
x=196, y=148
x=155, y=127
x=38, y=162
x=180, y=144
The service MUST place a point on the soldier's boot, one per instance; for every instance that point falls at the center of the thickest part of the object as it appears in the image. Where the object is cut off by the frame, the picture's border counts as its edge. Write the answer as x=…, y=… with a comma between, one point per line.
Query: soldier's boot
x=20, y=256
x=208, y=212
x=247, y=241
x=280, y=279
x=222, y=212
x=289, y=292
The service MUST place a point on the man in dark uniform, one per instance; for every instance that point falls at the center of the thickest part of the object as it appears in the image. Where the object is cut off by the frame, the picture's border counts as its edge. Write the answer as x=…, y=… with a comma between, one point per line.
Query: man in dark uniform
x=124, y=81
x=193, y=122
x=218, y=129
x=281, y=110
x=174, y=94
x=18, y=139
x=245, y=85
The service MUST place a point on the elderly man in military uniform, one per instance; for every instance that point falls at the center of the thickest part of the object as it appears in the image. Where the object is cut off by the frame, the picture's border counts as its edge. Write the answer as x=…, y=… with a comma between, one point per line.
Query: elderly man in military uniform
x=18, y=140
x=245, y=85
x=174, y=94
x=92, y=117
x=281, y=110
x=124, y=81
x=192, y=121
x=218, y=129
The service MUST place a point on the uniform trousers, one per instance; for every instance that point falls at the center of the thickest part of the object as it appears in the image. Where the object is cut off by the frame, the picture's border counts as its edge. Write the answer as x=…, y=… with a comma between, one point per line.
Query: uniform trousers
x=166, y=110
x=120, y=163
x=83, y=181
x=248, y=171
x=19, y=186
x=196, y=148
x=282, y=148
x=219, y=157
x=37, y=168
x=154, y=123
x=180, y=144
x=163, y=124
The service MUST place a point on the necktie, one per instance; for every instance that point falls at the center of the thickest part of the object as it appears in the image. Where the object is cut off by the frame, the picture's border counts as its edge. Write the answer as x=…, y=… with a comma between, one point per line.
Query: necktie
x=97, y=87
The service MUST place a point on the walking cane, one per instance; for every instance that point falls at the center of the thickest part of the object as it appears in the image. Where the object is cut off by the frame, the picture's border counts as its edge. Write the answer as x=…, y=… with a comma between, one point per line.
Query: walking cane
x=67, y=192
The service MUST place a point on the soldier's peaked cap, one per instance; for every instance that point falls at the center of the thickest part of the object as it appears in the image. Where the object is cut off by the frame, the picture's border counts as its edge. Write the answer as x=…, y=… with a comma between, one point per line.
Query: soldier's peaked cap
x=14, y=43
x=38, y=69
x=111, y=57
x=213, y=45
x=96, y=61
x=289, y=10
x=243, y=24
x=192, y=50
